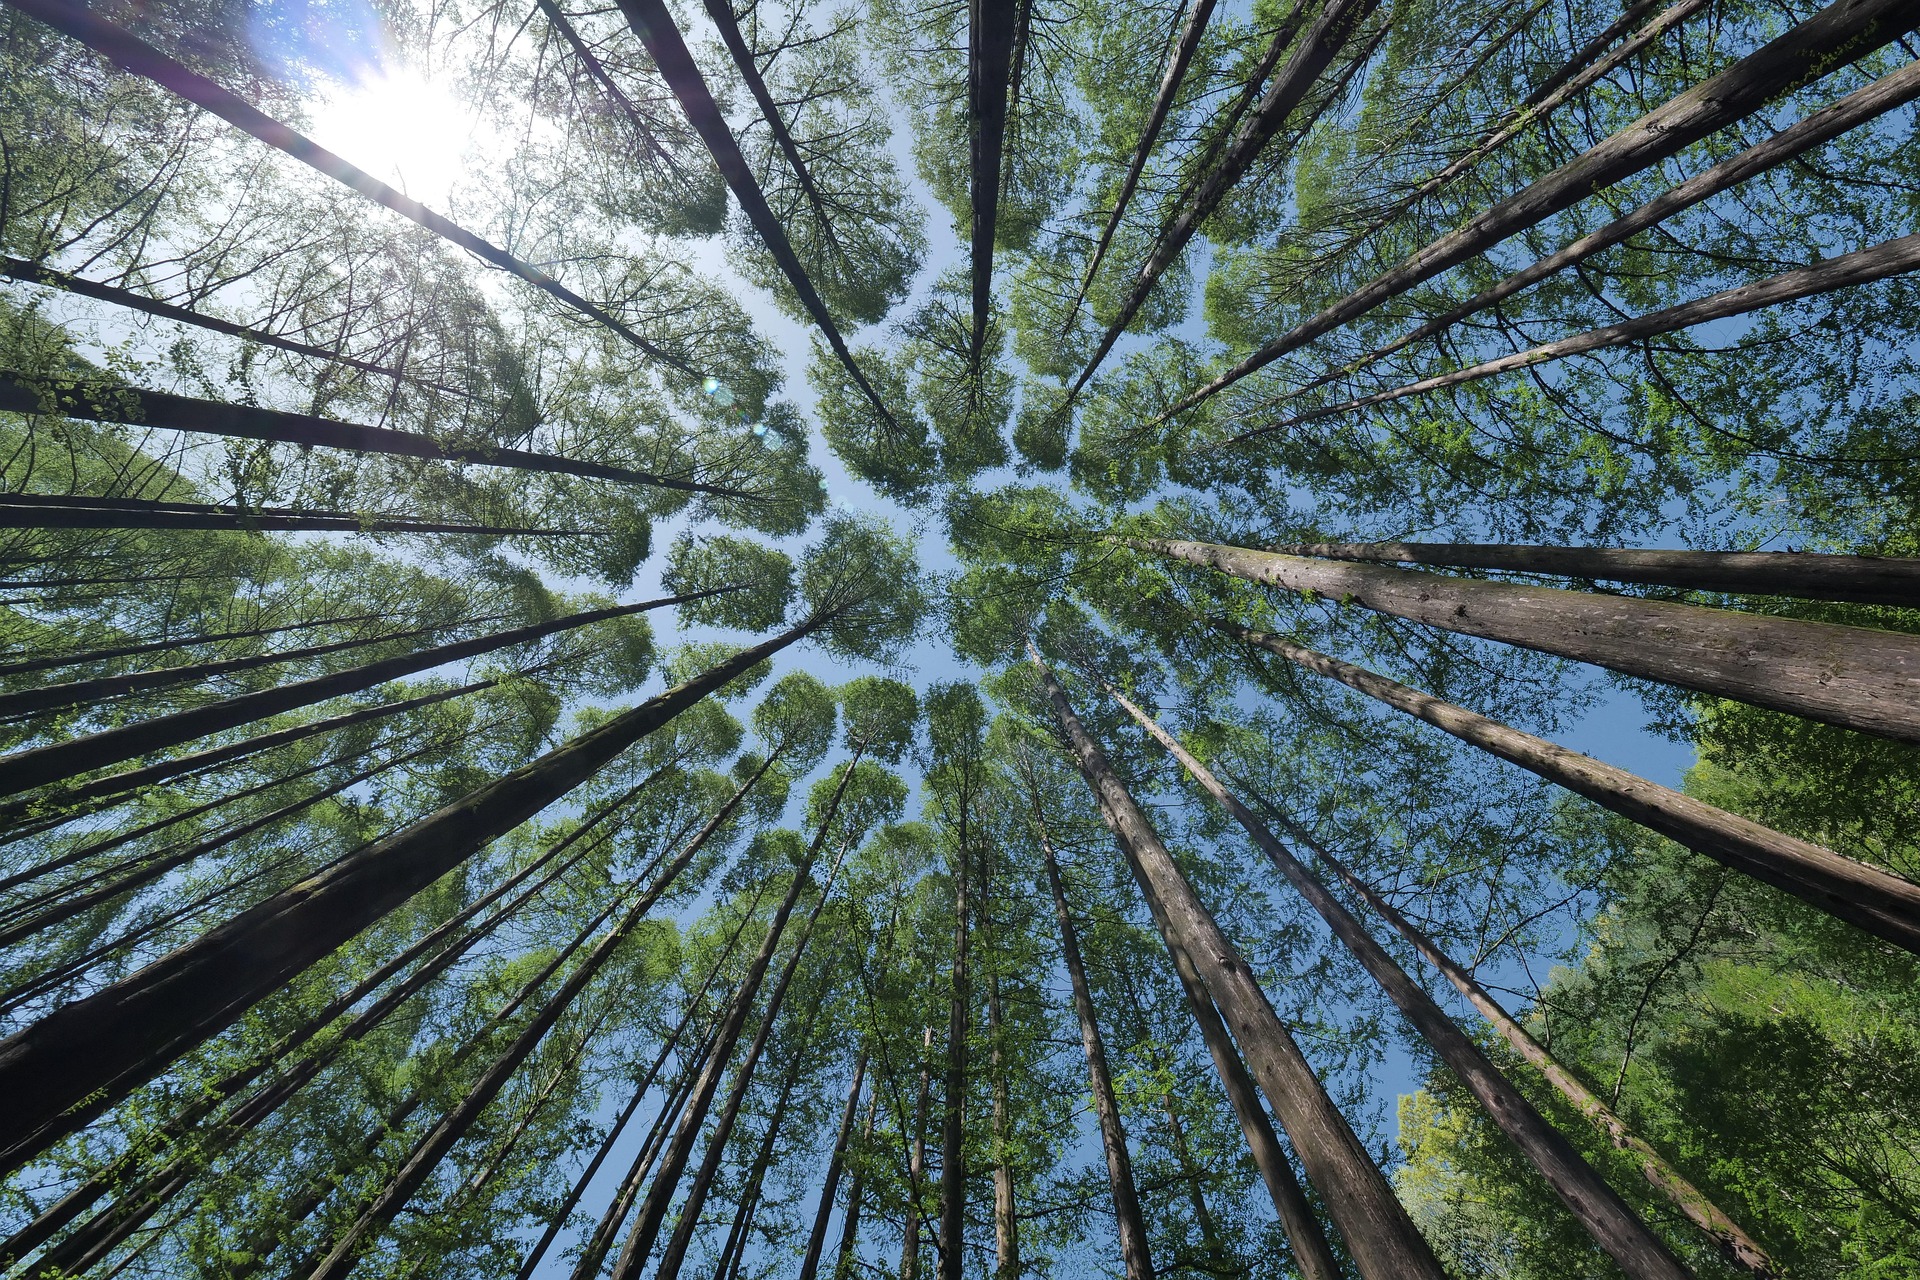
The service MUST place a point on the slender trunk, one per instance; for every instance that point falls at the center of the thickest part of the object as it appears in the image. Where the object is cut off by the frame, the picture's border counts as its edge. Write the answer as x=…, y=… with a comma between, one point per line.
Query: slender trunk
x=134, y=55
x=653, y=22
x=1837, y=36
x=917, y=1165
x=817, y=1239
x=1738, y=1247
x=953, y=1153
x=119, y=784
x=246, y=422
x=659, y=1199
x=60, y=512
x=31, y=665
x=1131, y=1225
x=1863, y=266
x=1336, y=23
x=1855, y=677
x=37, y=273
x=1006, y=1221
x=77, y=692
x=68, y=907
x=1865, y=896
x=1889, y=92
x=735, y=1247
x=1614, y=1226
x=845, y=1253
x=1378, y=1233
x=1855, y=579
x=990, y=33
x=24, y=770
x=102, y=1047
x=1218, y=1255
x=1178, y=60
x=434, y=1146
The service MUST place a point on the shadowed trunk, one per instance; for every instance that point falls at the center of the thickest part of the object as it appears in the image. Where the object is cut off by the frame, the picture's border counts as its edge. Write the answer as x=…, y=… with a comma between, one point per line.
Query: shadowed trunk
x=1855, y=677
x=990, y=36
x=1378, y=1233
x=47, y=511
x=836, y=1163
x=1863, y=895
x=26, y=667
x=1614, y=1226
x=845, y=1257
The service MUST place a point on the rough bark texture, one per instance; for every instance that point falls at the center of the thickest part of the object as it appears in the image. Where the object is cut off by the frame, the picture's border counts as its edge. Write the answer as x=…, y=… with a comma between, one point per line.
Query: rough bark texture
x=1857, y=579
x=1607, y=1218
x=1381, y=1238
x=1855, y=677
x=1837, y=36
x=112, y=1041
x=1131, y=1226
x=1863, y=895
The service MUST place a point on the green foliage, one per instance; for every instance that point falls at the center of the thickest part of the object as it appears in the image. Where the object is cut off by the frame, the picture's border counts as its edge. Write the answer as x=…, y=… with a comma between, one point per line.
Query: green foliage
x=755, y=582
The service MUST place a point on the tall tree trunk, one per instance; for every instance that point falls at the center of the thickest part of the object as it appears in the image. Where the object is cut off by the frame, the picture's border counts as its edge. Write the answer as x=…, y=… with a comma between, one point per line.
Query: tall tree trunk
x=1889, y=92
x=1378, y=1233
x=1178, y=59
x=1856, y=579
x=84, y=657
x=1738, y=1247
x=100, y=1048
x=653, y=22
x=1849, y=270
x=107, y=403
x=734, y=1250
x=1129, y=1222
x=434, y=1146
x=1866, y=896
x=1218, y=1255
x=1006, y=1220
x=111, y=786
x=917, y=1165
x=54, y=511
x=39, y=273
x=1855, y=677
x=990, y=33
x=1839, y=35
x=136, y=56
x=953, y=1152
x=1335, y=24
x=635, y=1252
x=38, y=766
x=1614, y=1226
x=836, y=1163
x=845, y=1253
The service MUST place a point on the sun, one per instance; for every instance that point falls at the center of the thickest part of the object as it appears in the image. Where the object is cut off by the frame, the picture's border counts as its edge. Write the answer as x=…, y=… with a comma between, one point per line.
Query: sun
x=400, y=127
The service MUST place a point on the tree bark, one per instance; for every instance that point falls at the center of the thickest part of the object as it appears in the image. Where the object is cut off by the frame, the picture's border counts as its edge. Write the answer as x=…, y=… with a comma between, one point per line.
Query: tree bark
x=733, y=1252
x=1863, y=266
x=107, y=1044
x=1330, y=30
x=1887, y=580
x=953, y=1151
x=1131, y=1225
x=141, y=59
x=917, y=1166
x=845, y=1257
x=38, y=766
x=86, y=657
x=1889, y=92
x=1218, y=1255
x=1855, y=677
x=1378, y=1233
x=990, y=34
x=1863, y=895
x=1178, y=60
x=64, y=512
x=1006, y=1220
x=1837, y=36
x=836, y=1163
x=167, y=412
x=1614, y=1226
x=1738, y=1247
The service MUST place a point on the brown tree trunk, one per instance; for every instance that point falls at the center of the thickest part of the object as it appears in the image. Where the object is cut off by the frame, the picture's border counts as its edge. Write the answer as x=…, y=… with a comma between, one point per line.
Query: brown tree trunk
x=85, y=657
x=844, y=1257
x=953, y=1151
x=1131, y=1225
x=1857, y=579
x=734, y=1250
x=24, y=770
x=1837, y=36
x=1006, y=1221
x=104, y=1046
x=1877, y=901
x=1378, y=1233
x=990, y=34
x=836, y=1163
x=917, y=1166
x=1855, y=677
x=1614, y=1226
x=247, y=422
x=52, y=511
x=1218, y=1255
x=1738, y=1247
x=141, y=59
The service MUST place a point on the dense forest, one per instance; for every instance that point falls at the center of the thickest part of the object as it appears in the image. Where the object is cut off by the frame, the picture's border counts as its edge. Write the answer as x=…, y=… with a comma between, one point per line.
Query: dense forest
x=817, y=639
